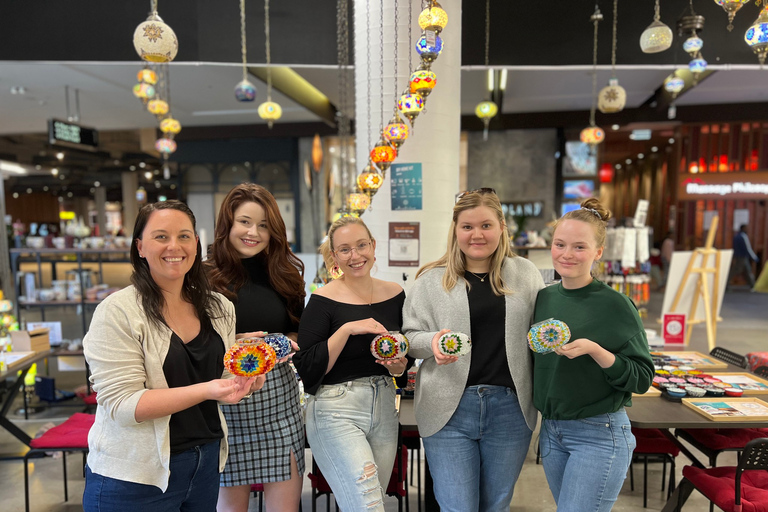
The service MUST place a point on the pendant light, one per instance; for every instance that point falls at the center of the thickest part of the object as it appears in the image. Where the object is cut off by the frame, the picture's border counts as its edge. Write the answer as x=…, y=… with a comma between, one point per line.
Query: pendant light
x=155, y=41
x=731, y=7
x=658, y=36
x=269, y=110
x=244, y=90
x=486, y=110
x=593, y=134
x=612, y=97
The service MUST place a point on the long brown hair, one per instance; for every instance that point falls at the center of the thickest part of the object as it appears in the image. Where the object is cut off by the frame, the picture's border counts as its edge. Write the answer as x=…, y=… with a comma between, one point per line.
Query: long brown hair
x=454, y=260
x=196, y=289
x=284, y=269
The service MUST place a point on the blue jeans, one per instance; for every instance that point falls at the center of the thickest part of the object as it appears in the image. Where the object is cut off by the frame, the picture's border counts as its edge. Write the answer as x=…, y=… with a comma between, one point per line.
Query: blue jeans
x=586, y=460
x=193, y=486
x=352, y=430
x=476, y=457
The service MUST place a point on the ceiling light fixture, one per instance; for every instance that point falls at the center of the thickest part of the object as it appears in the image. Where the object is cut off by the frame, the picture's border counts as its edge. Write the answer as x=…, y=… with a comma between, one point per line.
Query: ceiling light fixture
x=155, y=41
x=593, y=135
x=244, y=90
x=731, y=7
x=757, y=35
x=486, y=110
x=612, y=97
x=269, y=110
x=657, y=37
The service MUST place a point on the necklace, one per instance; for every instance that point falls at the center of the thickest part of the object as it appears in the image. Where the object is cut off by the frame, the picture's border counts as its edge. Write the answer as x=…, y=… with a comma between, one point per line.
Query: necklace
x=370, y=300
x=482, y=279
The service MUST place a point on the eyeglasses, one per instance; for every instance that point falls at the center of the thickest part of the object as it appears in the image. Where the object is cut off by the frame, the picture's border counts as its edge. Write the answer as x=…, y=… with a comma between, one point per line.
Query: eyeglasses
x=346, y=252
x=483, y=190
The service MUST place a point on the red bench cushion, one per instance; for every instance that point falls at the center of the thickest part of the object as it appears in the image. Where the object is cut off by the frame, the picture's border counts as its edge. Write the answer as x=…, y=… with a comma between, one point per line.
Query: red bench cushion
x=726, y=438
x=718, y=484
x=73, y=433
x=652, y=440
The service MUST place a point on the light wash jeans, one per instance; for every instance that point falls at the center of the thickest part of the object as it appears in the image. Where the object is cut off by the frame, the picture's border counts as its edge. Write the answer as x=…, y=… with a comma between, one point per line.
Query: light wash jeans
x=586, y=460
x=352, y=430
x=476, y=457
x=193, y=486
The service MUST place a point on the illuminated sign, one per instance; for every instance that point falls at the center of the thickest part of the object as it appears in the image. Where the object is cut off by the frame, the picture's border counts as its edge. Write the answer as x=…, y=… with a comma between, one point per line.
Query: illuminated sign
x=523, y=209
x=732, y=185
x=64, y=133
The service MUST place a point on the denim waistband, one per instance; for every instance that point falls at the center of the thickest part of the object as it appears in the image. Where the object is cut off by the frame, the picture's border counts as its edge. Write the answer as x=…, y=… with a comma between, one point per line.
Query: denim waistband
x=373, y=380
x=485, y=389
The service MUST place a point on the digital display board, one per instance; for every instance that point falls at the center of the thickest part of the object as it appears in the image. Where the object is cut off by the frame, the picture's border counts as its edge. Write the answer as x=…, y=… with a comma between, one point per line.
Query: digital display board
x=64, y=133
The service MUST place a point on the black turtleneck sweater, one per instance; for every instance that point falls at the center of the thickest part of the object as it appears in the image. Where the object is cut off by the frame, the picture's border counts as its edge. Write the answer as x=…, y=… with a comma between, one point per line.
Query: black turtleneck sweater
x=259, y=307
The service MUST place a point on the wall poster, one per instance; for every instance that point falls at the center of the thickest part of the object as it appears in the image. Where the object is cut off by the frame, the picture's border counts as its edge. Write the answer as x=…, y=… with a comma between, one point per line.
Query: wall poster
x=405, y=185
x=403, y=244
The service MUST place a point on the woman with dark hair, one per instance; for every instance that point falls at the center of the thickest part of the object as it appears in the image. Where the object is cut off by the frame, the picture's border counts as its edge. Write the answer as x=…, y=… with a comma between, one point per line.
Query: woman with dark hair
x=156, y=354
x=352, y=422
x=583, y=386
x=251, y=263
x=475, y=413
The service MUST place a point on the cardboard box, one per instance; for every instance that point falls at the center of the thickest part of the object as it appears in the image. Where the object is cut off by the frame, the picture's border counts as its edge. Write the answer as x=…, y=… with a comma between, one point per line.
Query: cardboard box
x=36, y=340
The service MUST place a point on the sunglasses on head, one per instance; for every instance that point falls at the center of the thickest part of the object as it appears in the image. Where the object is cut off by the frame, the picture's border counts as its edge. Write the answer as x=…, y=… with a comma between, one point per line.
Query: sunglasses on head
x=483, y=190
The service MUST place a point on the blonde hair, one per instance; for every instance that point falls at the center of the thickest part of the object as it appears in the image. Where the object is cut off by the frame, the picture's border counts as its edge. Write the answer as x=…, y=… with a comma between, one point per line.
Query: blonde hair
x=454, y=260
x=594, y=214
x=326, y=248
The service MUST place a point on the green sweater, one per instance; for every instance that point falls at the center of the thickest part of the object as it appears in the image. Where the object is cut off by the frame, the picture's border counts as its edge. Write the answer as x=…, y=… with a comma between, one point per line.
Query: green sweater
x=568, y=389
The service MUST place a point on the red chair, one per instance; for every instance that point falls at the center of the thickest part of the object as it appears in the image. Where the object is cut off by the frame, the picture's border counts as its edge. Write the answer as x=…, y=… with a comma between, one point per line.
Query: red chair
x=743, y=488
x=70, y=436
x=653, y=444
x=320, y=487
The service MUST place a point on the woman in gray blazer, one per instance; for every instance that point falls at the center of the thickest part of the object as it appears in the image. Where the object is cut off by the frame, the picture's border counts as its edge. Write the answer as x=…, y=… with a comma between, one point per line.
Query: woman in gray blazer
x=475, y=413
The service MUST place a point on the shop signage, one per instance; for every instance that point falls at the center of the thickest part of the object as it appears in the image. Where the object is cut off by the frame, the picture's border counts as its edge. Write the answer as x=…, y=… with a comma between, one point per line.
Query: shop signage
x=405, y=186
x=64, y=133
x=404, y=244
x=523, y=209
x=674, y=329
x=732, y=185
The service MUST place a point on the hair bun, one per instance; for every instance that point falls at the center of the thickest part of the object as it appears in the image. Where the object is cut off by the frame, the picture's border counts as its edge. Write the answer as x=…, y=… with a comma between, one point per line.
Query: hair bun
x=593, y=205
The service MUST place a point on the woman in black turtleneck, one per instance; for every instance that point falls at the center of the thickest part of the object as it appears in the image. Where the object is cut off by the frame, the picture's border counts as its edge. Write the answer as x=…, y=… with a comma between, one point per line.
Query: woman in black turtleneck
x=251, y=263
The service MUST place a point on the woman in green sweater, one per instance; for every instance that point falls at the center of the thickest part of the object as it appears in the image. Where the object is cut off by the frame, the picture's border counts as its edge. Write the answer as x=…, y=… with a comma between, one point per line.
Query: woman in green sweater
x=582, y=387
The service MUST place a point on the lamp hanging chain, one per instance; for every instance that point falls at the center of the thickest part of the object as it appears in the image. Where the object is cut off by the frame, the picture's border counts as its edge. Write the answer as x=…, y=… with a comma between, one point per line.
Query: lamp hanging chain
x=657, y=12
x=153, y=6
x=381, y=66
x=394, y=80
x=243, y=48
x=268, y=50
x=410, y=36
x=613, y=43
x=343, y=124
x=596, y=17
x=487, y=30
x=368, y=68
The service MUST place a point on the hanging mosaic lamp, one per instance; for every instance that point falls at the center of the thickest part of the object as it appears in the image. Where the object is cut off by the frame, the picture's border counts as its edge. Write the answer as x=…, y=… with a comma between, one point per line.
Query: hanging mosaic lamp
x=486, y=110
x=357, y=203
x=592, y=135
x=612, y=97
x=422, y=81
x=170, y=125
x=757, y=36
x=155, y=41
x=158, y=107
x=270, y=111
x=245, y=91
x=383, y=154
x=147, y=76
x=697, y=66
x=143, y=91
x=429, y=49
x=410, y=105
x=165, y=145
x=674, y=85
x=433, y=17
x=370, y=180
x=692, y=45
x=731, y=7
x=396, y=131
x=657, y=37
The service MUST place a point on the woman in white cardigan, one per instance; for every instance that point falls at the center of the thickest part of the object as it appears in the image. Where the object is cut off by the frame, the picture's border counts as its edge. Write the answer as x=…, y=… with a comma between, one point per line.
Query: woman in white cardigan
x=475, y=413
x=155, y=351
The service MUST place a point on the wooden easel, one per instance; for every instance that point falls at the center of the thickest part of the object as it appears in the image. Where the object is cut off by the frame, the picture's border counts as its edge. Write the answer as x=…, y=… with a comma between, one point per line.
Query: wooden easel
x=700, y=271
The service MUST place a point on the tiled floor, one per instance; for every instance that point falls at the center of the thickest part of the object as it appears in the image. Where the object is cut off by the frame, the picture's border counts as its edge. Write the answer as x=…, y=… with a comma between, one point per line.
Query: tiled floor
x=743, y=330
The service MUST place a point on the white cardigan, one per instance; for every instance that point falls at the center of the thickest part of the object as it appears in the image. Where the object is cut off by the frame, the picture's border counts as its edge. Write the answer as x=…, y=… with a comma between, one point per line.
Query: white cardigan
x=429, y=308
x=126, y=354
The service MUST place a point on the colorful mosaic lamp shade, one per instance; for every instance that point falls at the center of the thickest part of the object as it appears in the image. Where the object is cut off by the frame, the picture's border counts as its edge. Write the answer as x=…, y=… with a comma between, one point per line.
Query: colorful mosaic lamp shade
x=757, y=35
x=697, y=66
x=170, y=125
x=370, y=180
x=692, y=45
x=155, y=41
x=158, y=107
x=433, y=18
x=143, y=91
x=396, y=132
x=486, y=110
x=656, y=38
x=147, y=76
x=358, y=202
x=165, y=145
x=270, y=111
x=383, y=154
x=731, y=7
x=245, y=91
x=674, y=85
x=250, y=359
x=612, y=97
x=392, y=345
x=410, y=105
x=592, y=135
x=429, y=52
x=422, y=81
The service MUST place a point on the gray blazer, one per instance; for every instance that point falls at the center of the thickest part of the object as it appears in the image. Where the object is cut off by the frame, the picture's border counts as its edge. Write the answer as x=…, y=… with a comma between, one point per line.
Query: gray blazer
x=429, y=308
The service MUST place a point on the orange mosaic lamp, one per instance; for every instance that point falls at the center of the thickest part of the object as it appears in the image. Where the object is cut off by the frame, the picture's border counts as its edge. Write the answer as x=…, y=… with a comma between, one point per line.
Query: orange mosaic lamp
x=370, y=180
x=247, y=358
x=382, y=155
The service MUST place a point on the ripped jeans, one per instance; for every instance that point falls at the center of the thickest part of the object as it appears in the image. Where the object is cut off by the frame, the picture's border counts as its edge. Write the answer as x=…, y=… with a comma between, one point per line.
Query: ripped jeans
x=352, y=430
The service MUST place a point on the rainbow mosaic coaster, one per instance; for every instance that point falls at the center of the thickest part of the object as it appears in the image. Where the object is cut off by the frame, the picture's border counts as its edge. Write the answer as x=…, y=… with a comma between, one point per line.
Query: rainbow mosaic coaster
x=454, y=344
x=546, y=336
x=280, y=342
x=250, y=359
x=389, y=346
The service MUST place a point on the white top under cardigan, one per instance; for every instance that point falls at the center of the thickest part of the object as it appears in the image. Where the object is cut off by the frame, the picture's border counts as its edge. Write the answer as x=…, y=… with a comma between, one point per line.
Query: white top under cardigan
x=126, y=354
x=429, y=308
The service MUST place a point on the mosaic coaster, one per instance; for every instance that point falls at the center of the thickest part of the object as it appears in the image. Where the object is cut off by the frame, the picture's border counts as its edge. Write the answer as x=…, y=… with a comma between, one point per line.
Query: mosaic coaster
x=250, y=359
x=392, y=345
x=454, y=344
x=548, y=335
x=280, y=342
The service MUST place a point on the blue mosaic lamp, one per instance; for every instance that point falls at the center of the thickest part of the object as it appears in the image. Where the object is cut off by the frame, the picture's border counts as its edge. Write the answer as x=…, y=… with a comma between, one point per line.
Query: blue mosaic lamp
x=429, y=52
x=692, y=45
x=757, y=35
x=697, y=66
x=245, y=91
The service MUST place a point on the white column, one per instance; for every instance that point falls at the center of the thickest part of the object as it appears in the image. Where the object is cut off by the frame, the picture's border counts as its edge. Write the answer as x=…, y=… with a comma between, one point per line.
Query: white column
x=435, y=141
x=130, y=183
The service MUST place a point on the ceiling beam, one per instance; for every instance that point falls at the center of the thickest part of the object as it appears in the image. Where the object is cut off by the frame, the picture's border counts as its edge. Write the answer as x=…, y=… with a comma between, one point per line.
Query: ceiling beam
x=293, y=85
